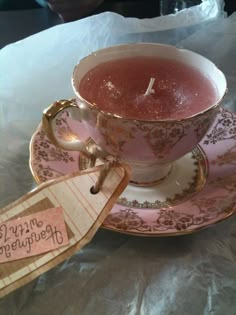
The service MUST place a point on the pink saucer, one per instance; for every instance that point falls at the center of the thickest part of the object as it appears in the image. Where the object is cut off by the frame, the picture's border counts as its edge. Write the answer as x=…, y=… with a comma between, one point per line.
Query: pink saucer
x=200, y=190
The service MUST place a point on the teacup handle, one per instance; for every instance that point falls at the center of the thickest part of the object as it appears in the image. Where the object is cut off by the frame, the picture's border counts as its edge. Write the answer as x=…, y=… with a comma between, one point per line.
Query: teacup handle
x=50, y=115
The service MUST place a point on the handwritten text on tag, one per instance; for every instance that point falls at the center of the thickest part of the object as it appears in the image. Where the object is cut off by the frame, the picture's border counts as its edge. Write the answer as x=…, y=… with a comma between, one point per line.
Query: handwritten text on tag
x=32, y=235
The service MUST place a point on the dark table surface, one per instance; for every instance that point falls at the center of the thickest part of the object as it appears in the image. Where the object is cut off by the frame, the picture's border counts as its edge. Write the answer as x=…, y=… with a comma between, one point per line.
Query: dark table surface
x=18, y=24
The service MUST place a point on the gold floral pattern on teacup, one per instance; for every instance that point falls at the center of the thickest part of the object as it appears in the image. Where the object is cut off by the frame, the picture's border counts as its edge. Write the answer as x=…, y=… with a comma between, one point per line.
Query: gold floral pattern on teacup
x=163, y=137
x=223, y=129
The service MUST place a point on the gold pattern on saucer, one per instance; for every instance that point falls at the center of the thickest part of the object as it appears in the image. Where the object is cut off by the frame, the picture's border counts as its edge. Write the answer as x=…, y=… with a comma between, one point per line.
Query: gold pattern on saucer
x=170, y=222
x=228, y=157
x=198, y=181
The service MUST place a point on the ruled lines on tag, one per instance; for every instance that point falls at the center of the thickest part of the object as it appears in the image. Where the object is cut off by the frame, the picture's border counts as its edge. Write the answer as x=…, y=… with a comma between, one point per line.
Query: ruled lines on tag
x=83, y=214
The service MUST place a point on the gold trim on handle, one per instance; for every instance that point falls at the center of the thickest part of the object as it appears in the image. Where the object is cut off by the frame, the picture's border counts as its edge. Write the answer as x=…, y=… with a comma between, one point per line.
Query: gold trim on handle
x=51, y=112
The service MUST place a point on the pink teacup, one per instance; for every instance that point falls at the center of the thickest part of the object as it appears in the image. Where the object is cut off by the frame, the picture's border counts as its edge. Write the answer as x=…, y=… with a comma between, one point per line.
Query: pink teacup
x=148, y=146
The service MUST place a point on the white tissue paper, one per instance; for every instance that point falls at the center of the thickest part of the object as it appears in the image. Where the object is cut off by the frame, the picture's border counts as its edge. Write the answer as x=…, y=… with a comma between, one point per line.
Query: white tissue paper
x=115, y=274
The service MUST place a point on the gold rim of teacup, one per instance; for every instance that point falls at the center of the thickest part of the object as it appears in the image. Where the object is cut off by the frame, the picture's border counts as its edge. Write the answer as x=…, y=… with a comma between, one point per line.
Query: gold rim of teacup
x=161, y=121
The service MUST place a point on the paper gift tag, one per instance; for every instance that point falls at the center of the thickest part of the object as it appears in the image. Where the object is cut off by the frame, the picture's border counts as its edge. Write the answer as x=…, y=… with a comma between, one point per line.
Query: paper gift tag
x=63, y=208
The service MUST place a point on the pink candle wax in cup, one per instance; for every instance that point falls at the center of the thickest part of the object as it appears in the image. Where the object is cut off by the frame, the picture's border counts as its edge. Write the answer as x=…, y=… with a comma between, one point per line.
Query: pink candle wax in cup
x=148, y=88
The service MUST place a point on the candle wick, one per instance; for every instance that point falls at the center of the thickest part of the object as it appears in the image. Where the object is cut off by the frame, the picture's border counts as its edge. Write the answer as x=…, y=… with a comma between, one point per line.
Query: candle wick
x=150, y=90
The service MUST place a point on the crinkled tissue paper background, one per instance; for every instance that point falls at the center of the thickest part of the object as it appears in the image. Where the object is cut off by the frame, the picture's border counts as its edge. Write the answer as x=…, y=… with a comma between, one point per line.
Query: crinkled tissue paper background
x=116, y=274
